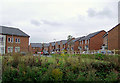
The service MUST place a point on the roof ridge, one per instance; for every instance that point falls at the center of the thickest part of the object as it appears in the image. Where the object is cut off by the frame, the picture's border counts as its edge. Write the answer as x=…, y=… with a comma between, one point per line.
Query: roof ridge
x=8, y=27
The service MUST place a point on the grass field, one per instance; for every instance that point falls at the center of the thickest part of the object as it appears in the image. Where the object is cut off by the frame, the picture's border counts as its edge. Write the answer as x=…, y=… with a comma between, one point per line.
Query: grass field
x=62, y=68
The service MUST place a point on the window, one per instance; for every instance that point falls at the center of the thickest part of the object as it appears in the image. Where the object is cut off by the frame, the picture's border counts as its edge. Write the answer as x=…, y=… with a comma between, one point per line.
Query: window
x=82, y=42
x=88, y=41
x=72, y=48
x=33, y=48
x=2, y=39
x=9, y=39
x=10, y=49
x=85, y=41
x=2, y=50
x=17, y=40
x=17, y=49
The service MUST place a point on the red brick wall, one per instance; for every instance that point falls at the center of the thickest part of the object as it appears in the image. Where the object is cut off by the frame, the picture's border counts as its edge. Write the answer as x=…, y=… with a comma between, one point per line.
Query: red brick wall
x=82, y=45
x=56, y=45
x=61, y=46
x=36, y=49
x=50, y=47
x=96, y=42
x=114, y=38
x=76, y=44
x=24, y=43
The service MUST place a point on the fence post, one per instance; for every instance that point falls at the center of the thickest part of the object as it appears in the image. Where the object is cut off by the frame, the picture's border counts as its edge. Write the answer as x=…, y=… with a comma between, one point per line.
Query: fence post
x=114, y=51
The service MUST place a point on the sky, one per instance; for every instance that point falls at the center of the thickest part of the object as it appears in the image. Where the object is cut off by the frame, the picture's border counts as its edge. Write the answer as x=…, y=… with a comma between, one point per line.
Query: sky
x=46, y=20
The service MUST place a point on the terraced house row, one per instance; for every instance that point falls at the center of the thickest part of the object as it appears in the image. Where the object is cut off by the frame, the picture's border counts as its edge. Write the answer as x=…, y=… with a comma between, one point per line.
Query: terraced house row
x=15, y=40
x=94, y=41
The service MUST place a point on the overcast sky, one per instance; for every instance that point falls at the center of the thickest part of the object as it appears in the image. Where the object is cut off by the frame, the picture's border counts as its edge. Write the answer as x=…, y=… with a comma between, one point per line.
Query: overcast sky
x=46, y=20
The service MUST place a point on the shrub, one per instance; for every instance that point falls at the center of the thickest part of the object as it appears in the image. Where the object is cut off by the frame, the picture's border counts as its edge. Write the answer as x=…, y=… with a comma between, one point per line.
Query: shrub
x=57, y=74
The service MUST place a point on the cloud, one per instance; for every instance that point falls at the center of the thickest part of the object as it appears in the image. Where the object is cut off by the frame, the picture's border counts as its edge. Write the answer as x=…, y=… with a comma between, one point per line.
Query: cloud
x=35, y=22
x=52, y=23
x=105, y=12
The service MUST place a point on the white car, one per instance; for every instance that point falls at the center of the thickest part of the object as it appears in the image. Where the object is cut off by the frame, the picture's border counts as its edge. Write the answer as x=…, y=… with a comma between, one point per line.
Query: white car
x=53, y=52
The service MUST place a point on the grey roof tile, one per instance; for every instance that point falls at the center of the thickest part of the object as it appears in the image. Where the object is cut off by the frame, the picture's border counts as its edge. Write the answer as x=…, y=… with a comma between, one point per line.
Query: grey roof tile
x=12, y=31
x=58, y=42
x=64, y=41
x=53, y=43
x=90, y=35
x=46, y=44
x=36, y=44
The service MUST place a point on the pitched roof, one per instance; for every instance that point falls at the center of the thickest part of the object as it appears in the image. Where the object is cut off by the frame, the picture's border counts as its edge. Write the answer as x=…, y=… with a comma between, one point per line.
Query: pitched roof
x=64, y=41
x=114, y=27
x=76, y=39
x=58, y=42
x=46, y=44
x=90, y=35
x=105, y=34
x=52, y=43
x=36, y=44
x=12, y=31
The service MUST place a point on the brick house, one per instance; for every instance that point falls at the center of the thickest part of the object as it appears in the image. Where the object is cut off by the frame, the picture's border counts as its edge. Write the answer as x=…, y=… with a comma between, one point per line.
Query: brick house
x=35, y=47
x=57, y=46
x=69, y=45
x=114, y=38
x=93, y=41
x=62, y=45
x=105, y=41
x=75, y=44
x=13, y=40
x=51, y=47
x=46, y=47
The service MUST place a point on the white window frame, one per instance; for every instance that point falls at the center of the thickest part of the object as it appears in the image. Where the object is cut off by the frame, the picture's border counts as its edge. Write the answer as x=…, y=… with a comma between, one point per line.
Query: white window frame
x=34, y=48
x=88, y=41
x=17, y=40
x=10, y=49
x=11, y=40
x=17, y=49
x=80, y=42
x=85, y=41
x=8, y=39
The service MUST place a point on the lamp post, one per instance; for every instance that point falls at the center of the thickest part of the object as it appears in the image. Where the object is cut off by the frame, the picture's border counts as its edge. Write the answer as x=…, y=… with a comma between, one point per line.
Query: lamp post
x=55, y=43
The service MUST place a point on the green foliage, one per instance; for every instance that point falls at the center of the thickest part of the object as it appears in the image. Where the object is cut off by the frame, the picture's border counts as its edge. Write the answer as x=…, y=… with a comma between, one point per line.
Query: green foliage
x=61, y=68
x=99, y=56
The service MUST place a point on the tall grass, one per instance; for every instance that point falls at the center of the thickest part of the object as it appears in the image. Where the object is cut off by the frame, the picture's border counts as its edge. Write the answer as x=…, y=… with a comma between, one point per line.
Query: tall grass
x=18, y=68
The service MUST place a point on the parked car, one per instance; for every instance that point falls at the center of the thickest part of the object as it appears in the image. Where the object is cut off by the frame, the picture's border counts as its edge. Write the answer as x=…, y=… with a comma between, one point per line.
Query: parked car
x=83, y=52
x=103, y=51
x=45, y=53
x=53, y=52
x=109, y=52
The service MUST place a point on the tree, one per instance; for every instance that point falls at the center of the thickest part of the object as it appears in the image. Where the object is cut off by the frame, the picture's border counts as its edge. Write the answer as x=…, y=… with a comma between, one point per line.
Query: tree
x=42, y=47
x=69, y=37
x=69, y=40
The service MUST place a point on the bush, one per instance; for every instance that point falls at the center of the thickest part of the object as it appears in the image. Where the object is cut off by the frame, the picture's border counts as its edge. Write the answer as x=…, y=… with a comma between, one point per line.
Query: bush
x=60, y=68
